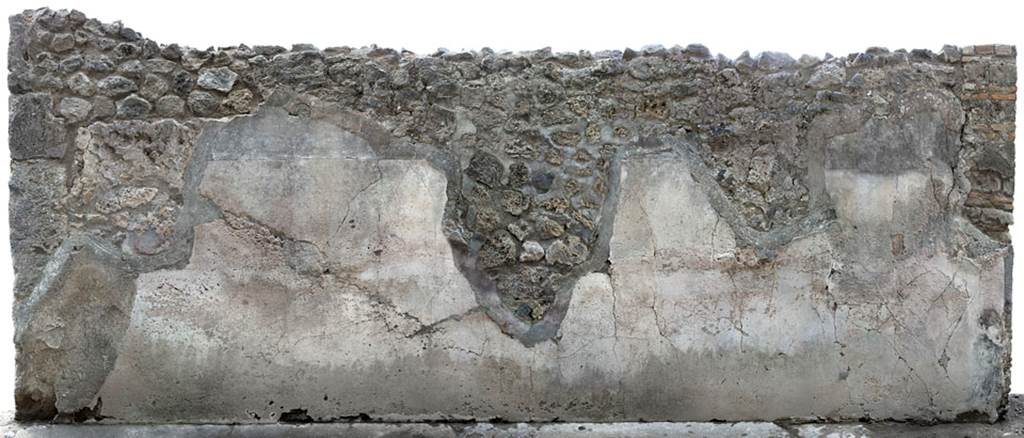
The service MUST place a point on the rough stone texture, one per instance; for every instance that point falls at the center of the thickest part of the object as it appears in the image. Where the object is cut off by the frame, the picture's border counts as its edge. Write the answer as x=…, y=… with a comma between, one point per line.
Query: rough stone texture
x=35, y=131
x=68, y=330
x=305, y=235
x=1010, y=426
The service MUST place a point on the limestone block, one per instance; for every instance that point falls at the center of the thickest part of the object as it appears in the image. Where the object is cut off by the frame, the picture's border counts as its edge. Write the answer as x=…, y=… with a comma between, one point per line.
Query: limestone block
x=69, y=330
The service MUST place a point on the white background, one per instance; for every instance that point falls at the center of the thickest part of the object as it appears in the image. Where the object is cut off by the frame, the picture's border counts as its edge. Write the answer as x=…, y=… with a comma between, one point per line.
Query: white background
x=729, y=28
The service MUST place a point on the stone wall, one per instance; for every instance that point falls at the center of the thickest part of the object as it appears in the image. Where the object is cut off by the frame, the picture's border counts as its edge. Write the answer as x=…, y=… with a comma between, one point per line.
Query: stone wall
x=261, y=234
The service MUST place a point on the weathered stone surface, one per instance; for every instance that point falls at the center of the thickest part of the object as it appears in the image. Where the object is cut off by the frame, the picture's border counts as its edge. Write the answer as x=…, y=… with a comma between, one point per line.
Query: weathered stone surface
x=170, y=106
x=569, y=251
x=202, y=103
x=81, y=84
x=116, y=86
x=153, y=87
x=133, y=107
x=69, y=330
x=37, y=224
x=1011, y=425
x=306, y=235
x=807, y=311
x=220, y=79
x=34, y=130
x=532, y=251
x=74, y=109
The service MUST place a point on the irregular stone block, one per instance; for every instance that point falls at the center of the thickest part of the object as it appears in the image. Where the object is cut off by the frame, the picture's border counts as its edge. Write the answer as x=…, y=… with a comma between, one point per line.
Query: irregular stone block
x=130, y=182
x=34, y=131
x=220, y=79
x=656, y=234
x=68, y=331
x=37, y=224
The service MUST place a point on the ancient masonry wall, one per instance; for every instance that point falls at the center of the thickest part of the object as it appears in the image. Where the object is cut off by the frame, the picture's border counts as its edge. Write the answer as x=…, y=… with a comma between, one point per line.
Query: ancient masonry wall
x=253, y=234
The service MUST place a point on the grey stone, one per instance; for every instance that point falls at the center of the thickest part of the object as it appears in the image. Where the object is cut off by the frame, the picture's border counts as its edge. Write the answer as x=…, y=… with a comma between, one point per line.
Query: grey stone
x=532, y=251
x=125, y=197
x=855, y=81
x=74, y=109
x=774, y=61
x=520, y=229
x=62, y=42
x=103, y=107
x=542, y=181
x=48, y=82
x=697, y=51
x=143, y=207
x=902, y=142
x=827, y=75
x=34, y=131
x=569, y=251
x=181, y=82
x=220, y=79
x=300, y=68
x=153, y=87
x=98, y=64
x=239, y=101
x=146, y=243
x=518, y=174
x=71, y=64
x=268, y=50
x=68, y=330
x=951, y=53
x=549, y=228
x=193, y=59
x=731, y=76
x=171, y=52
x=499, y=250
x=129, y=34
x=515, y=202
x=170, y=106
x=37, y=226
x=116, y=86
x=123, y=51
x=486, y=169
x=808, y=60
x=203, y=104
x=161, y=66
x=133, y=107
x=81, y=84
x=133, y=69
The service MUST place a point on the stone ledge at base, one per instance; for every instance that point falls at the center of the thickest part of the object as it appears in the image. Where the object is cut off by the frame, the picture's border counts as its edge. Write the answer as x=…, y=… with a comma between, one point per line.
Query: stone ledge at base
x=1010, y=426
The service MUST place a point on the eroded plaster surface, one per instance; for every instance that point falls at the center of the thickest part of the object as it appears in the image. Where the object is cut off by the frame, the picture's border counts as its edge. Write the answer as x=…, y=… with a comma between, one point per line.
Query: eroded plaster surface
x=260, y=234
